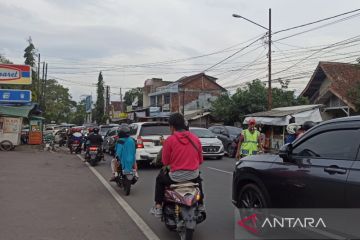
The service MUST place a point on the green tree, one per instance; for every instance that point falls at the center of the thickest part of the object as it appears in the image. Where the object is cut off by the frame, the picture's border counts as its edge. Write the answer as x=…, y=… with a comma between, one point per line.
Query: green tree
x=4, y=60
x=29, y=55
x=251, y=99
x=132, y=94
x=58, y=103
x=79, y=114
x=99, y=115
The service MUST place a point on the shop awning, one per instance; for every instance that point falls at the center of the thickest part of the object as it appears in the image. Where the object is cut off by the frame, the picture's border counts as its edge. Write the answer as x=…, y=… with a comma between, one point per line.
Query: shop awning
x=281, y=116
x=16, y=111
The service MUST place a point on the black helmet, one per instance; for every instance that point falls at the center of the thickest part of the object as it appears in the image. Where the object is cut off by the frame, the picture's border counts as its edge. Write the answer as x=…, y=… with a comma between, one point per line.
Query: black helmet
x=124, y=131
x=95, y=130
x=307, y=125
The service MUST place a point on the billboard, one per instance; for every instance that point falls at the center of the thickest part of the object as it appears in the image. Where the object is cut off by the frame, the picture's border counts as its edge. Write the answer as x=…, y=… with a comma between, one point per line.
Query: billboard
x=15, y=74
x=88, y=102
x=15, y=96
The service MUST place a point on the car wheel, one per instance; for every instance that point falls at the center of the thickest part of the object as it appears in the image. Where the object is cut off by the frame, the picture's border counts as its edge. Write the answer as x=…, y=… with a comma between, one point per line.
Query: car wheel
x=253, y=201
x=229, y=149
x=251, y=196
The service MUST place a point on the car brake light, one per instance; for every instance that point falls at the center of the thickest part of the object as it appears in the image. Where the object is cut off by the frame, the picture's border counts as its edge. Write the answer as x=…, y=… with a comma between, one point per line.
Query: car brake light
x=139, y=142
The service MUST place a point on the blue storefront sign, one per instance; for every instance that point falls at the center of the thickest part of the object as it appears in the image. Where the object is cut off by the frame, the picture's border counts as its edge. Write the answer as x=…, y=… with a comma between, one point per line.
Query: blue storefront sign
x=15, y=96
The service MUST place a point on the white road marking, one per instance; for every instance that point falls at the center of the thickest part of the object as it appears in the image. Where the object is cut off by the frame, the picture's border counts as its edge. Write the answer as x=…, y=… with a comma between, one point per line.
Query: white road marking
x=219, y=170
x=145, y=229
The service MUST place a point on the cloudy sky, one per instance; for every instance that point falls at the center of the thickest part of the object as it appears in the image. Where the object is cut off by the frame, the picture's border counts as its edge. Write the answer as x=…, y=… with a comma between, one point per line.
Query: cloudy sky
x=134, y=40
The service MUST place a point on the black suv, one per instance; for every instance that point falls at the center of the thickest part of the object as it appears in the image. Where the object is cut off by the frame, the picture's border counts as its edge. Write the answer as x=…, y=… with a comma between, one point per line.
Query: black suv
x=319, y=170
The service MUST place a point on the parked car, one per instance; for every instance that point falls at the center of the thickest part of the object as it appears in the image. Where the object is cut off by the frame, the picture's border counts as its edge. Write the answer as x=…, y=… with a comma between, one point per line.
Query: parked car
x=103, y=129
x=109, y=140
x=227, y=134
x=147, y=136
x=319, y=170
x=211, y=145
x=51, y=130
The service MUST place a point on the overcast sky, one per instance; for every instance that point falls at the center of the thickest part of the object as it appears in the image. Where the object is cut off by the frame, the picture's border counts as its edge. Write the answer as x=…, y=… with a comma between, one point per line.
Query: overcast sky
x=79, y=38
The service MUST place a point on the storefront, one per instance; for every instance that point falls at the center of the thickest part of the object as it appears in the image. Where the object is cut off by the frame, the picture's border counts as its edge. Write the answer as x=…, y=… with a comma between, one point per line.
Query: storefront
x=273, y=123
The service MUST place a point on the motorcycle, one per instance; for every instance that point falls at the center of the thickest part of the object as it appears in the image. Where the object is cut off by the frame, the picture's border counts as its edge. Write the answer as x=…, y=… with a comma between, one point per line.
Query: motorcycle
x=181, y=210
x=124, y=179
x=93, y=155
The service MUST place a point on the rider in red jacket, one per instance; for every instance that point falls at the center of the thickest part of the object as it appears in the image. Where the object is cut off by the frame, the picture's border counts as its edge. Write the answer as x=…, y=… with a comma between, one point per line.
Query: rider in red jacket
x=182, y=154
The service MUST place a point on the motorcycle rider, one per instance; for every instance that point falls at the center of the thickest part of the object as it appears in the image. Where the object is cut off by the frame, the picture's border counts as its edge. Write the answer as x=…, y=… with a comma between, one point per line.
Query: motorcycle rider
x=306, y=126
x=95, y=139
x=125, y=151
x=250, y=141
x=75, y=135
x=181, y=157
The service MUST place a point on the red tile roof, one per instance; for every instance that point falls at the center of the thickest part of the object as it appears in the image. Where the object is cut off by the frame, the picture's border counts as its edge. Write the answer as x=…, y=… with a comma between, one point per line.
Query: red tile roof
x=343, y=78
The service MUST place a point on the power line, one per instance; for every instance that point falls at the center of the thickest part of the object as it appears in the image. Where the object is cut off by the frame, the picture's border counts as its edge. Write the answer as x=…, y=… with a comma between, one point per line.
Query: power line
x=312, y=29
x=218, y=63
x=314, y=22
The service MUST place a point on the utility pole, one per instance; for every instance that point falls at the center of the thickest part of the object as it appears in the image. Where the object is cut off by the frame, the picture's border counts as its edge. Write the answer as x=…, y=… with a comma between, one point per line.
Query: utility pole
x=46, y=67
x=38, y=80
x=121, y=101
x=183, y=101
x=42, y=87
x=269, y=73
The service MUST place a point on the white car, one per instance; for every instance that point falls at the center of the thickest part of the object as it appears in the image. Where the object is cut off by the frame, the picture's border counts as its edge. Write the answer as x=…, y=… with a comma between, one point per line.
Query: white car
x=147, y=136
x=211, y=145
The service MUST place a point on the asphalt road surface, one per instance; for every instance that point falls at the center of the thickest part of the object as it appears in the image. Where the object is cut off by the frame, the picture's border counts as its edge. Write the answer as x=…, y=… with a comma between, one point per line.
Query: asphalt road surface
x=48, y=196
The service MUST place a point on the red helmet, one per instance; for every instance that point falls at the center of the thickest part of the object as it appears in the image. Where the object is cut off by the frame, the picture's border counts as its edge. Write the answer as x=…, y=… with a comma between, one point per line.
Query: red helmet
x=252, y=121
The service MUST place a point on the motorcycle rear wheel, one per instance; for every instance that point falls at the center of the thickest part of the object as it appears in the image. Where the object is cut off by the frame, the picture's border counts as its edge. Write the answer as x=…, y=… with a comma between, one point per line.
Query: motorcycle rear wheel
x=127, y=186
x=187, y=235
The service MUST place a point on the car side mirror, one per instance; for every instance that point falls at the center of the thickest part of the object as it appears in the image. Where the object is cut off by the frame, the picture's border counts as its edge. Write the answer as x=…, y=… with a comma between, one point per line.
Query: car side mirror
x=285, y=152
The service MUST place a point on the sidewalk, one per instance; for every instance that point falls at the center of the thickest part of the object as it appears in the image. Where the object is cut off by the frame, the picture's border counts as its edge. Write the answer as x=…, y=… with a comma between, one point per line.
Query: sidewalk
x=47, y=195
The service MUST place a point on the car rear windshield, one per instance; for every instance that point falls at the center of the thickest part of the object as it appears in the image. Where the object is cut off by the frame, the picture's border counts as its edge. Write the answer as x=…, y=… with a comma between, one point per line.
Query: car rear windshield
x=149, y=130
x=203, y=133
x=234, y=130
x=104, y=130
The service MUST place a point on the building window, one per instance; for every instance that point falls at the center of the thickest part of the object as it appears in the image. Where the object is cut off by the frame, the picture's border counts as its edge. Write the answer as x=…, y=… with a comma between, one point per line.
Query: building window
x=167, y=99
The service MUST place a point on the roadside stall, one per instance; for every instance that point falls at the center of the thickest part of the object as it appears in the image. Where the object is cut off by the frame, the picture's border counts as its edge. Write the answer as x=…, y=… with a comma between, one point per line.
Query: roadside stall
x=12, y=119
x=273, y=123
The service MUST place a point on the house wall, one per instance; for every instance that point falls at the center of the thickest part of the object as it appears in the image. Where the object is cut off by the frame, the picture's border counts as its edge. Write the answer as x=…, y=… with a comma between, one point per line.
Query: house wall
x=199, y=93
x=324, y=86
x=150, y=86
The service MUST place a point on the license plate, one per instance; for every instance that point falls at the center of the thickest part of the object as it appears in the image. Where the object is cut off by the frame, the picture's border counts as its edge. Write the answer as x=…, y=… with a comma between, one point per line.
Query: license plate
x=75, y=145
x=93, y=152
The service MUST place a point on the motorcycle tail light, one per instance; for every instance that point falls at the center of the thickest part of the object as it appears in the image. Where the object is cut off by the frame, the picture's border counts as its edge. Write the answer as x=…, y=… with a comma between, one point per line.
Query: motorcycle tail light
x=93, y=148
x=198, y=197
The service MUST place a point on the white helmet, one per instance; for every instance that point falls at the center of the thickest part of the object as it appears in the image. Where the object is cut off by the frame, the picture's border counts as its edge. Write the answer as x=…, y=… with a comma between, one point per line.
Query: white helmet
x=292, y=128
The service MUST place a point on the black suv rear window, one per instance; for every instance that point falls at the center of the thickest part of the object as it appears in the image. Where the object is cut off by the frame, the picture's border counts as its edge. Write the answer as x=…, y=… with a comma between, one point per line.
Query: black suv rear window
x=148, y=130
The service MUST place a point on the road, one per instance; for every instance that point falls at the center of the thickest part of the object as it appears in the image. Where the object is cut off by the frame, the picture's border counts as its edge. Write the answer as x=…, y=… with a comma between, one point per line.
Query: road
x=56, y=196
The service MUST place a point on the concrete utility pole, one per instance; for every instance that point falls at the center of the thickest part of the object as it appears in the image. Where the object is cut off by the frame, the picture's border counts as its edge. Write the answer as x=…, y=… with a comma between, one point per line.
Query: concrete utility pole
x=42, y=87
x=269, y=53
x=38, y=80
x=121, y=99
x=269, y=73
x=45, y=79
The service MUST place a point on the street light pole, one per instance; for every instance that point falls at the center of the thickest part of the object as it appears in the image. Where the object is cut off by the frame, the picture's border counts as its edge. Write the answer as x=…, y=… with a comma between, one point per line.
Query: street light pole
x=269, y=73
x=269, y=53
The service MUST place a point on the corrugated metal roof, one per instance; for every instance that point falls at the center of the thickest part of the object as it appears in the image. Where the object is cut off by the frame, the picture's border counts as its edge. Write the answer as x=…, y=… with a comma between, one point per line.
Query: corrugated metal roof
x=284, y=111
